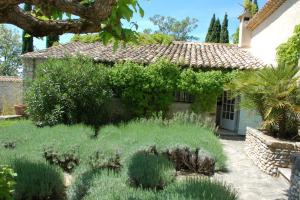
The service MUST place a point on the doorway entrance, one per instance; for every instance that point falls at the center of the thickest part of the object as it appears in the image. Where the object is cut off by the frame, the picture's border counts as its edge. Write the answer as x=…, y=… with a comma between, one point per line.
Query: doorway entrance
x=228, y=118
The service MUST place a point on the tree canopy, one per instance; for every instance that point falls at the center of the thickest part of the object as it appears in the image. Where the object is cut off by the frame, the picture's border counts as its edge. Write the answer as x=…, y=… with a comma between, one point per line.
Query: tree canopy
x=57, y=17
x=179, y=29
x=10, y=50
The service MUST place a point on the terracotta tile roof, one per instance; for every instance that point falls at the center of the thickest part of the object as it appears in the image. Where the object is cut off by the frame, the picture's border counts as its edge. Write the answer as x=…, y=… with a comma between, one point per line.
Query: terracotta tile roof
x=10, y=79
x=194, y=54
x=269, y=8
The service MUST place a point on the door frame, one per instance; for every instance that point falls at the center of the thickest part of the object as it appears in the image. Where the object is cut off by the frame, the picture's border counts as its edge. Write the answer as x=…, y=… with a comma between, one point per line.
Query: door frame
x=236, y=114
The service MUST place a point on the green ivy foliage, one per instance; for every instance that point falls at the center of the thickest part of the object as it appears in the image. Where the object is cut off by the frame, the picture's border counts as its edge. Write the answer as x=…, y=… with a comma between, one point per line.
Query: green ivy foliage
x=145, y=89
x=288, y=53
x=76, y=90
x=205, y=86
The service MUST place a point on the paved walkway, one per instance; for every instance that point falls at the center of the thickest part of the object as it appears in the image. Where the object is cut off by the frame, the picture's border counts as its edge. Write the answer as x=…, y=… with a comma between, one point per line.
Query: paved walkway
x=247, y=179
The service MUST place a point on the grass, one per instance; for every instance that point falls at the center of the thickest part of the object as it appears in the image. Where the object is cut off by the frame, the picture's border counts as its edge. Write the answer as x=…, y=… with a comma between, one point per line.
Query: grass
x=125, y=139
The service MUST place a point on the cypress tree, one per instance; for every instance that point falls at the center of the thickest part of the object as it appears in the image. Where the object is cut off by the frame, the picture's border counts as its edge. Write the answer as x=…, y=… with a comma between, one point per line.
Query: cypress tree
x=51, y=39
x=224, y=35
x=210, y=29
x=27, y=40
x=216, y=33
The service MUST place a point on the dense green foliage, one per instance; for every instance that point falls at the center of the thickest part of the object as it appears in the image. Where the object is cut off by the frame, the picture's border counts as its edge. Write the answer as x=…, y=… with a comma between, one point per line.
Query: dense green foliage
x=76, y=90
x=126, y=139
x=52, y=40
x=37, y=180
x=218, y=33
x=145, y=89
x=193, y=189
x=27, y=40
x=206, y=87
x=179, y=29
x=69, y=91
x=152, y=171
x=10, y=51
x=289, y=53
x=143, y=39
x=224, y=35
x=274, y=94
x=7, y=182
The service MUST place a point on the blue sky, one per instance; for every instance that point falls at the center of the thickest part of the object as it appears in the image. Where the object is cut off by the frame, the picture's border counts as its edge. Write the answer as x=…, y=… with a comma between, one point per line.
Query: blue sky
x=199, y=9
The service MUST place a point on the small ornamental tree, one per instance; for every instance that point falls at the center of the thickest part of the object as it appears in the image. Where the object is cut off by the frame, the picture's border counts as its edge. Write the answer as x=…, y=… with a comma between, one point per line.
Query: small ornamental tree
x=69, y=91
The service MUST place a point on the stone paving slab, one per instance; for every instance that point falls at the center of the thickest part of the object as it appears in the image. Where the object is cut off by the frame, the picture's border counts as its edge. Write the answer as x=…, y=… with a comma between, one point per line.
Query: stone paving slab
x=6, y=117
x=246, y=177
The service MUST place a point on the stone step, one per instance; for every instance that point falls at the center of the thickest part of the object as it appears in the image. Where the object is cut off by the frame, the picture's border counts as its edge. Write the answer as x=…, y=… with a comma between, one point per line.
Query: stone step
x=285, y=173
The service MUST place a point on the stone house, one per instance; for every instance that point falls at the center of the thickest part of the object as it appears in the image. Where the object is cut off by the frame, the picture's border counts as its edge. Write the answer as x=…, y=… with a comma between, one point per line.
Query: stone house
x=11, y=93
x=257, y=46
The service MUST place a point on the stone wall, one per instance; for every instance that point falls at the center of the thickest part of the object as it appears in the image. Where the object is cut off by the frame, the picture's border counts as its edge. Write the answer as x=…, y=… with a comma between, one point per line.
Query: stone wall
x=294, y=192
x=269, y=153
x=11, y=93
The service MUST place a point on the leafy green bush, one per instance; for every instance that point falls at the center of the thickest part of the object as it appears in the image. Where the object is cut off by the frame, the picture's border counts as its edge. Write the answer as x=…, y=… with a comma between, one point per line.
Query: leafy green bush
x=288, y=53
x=69, y=91
x=205, y=86
x=145, y=90
x=38, y=181
x=7, y=182
x=149, y=170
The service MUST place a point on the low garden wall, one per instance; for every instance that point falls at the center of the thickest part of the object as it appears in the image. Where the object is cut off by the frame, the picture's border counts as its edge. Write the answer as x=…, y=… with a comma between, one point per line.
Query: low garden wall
x=269, y=153
x=294, y=192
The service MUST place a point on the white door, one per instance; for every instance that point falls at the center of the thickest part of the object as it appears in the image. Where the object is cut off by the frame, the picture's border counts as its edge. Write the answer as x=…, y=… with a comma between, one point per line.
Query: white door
x=228, y=116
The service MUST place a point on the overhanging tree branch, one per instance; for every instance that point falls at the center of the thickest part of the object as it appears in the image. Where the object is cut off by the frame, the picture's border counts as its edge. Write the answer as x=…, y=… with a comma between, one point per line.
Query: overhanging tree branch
x=38, y=28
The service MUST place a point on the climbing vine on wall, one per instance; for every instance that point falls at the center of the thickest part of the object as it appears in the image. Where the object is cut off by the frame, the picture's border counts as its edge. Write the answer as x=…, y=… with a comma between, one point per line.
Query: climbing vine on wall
x=288, y=53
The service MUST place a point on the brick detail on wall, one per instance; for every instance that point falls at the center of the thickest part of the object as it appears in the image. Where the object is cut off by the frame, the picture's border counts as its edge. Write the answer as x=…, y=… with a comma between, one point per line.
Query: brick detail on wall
x=269, y=153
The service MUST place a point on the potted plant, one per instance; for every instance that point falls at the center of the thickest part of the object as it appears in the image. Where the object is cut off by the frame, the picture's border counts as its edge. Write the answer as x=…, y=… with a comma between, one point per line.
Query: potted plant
x=20, y=109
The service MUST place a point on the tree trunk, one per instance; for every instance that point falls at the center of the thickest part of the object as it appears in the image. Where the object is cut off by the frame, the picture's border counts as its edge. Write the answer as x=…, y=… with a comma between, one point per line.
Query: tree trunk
x=282, y=126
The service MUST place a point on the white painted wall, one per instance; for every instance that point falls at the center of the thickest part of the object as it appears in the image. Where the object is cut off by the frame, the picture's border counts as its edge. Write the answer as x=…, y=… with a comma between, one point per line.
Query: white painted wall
x=275, y=30
x=248, y=118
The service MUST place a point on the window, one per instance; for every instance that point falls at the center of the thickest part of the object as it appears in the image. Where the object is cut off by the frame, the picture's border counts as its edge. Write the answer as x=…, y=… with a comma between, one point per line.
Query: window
x=184, y=97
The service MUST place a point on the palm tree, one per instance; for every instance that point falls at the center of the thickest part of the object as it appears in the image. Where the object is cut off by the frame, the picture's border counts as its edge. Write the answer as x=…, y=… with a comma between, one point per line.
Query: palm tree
x=274, y=94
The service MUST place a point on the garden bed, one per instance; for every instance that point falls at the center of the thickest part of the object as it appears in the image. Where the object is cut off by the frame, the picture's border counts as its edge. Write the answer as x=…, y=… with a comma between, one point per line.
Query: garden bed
x=24, y=146
x=269, y=153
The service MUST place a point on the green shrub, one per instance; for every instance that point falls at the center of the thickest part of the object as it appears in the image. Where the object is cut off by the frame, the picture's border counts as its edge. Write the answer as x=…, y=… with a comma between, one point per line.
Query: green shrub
x=38, y=181
x=288, y=53
x=205, y=86
x=148, y=170
x=194, y=189
x=145, y=90
x=69, y=91
x=7, y=182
